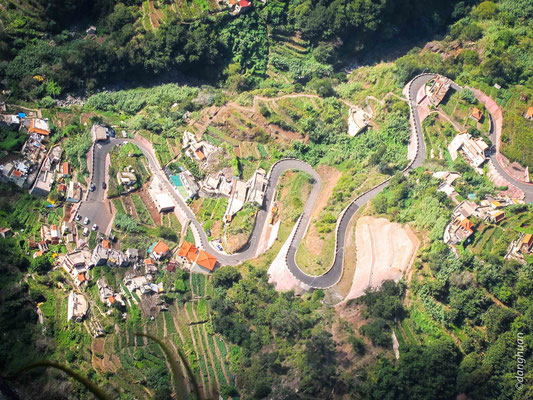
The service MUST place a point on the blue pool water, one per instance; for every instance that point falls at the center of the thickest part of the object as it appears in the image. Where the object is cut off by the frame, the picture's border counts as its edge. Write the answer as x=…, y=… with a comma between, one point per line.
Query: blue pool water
x=176, y=181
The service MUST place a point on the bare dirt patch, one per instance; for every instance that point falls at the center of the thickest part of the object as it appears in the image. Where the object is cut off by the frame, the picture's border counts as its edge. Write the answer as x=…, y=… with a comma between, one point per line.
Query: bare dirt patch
x=330, y=176
x=385, y=250
x=152, y=209
x=129, y=207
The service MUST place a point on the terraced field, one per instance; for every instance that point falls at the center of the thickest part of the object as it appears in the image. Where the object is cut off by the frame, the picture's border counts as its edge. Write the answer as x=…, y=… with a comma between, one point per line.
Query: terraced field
x=127, y=358
x=154, y=13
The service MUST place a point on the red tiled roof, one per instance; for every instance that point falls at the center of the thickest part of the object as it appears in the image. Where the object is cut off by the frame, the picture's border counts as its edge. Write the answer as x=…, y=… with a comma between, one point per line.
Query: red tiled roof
x=206, y=260
x=200, y=154
x=148, y=261
x=171, y=266
x=188, y=250
x=33, y=129
x=81, y=278
x=160, y=248
x=244, y=3
x=477, y=113
x=528, y=237
x=111, y=299
x=65, y=168
x=467, y=224
x=529, y=112
x=105, y=244
x=17, y=173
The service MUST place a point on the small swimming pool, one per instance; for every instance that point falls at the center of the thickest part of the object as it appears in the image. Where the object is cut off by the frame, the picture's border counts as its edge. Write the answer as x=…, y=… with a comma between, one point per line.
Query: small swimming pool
x=176, y=181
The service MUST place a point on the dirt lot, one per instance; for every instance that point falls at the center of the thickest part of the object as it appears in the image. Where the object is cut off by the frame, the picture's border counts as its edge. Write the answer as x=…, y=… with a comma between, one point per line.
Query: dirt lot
x=150, y=205
x=384, y=251
x=330, y=176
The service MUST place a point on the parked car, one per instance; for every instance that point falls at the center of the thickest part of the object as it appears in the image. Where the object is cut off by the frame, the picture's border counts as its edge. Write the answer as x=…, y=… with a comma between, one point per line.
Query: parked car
x=92, y=187
x=95, y=227
x=85, y=231
x=78, y=217
x=86, y=220
x=104, y=185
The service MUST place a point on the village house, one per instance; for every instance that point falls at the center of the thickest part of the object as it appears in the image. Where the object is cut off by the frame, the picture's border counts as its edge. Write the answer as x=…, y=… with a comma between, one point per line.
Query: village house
x=43, y=183
x=529, y=114
x=219, y=183
x=472, y=149
x=189, y=184
x=99, y=255
x=358, y=120
x=126, y=178
x=496, y=216
x=527, y=243
x=197, y=149
x=236, y=200
x=66, y=170
x=448, y=179
x=117, y=258
x=206, y=261
x=39, y=126
x=187, y=252
x=50, y=234
x=6, y=232
x=477, y=114
x=73, y=192
x=77, y=262
x=99, y=132
x=77, y=307
x=257, y=185
x=437, y=88
x=461, y=226
x=158, y=250
x=196, y=259
x=158, y=194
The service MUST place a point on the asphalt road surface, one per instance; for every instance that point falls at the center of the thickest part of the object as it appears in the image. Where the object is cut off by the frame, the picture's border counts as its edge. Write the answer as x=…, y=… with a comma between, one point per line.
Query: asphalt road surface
x=94, y=207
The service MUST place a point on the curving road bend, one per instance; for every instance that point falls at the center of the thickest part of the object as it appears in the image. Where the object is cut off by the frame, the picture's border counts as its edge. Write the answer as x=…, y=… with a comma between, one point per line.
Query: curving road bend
x=93, y=207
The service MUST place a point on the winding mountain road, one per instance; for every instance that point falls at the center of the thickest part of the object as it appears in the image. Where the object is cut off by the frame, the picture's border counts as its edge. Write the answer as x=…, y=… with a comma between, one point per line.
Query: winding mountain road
x=94, y=207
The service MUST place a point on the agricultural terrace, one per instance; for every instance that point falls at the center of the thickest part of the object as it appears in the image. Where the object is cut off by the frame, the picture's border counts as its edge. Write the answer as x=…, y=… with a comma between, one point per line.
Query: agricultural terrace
x=154, y=113
x=517, y=134
x=134, y=224
x=491, y=241
x=126, y=157
x=130, y=360
x=459, y=106
x=155, y=13
x=438, y=133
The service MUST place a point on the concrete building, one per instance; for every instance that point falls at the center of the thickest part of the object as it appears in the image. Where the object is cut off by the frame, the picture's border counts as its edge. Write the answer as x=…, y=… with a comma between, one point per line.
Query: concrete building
x=77, y=307
x=189, y=183
x=358, y=120
x=472, y=149
x=437, y=89
x=126, y=178
x=43, y=183
x=99, y=132
x=73, y=192
x=158, y=250
x=39, y=126
x=256, y=187
x=99, y=255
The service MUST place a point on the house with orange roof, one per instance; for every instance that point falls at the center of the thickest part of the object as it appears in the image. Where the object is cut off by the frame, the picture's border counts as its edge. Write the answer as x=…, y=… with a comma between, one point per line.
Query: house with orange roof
x=497, y=216
x=467, y=225
x=158, y=250
x=188, y=252
x=529, y=113
x=206, y=260
x=39, y=126
x=200, y=154
x=527, y=243
x=477, y=114
x=80, y=279
x=65, y=169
